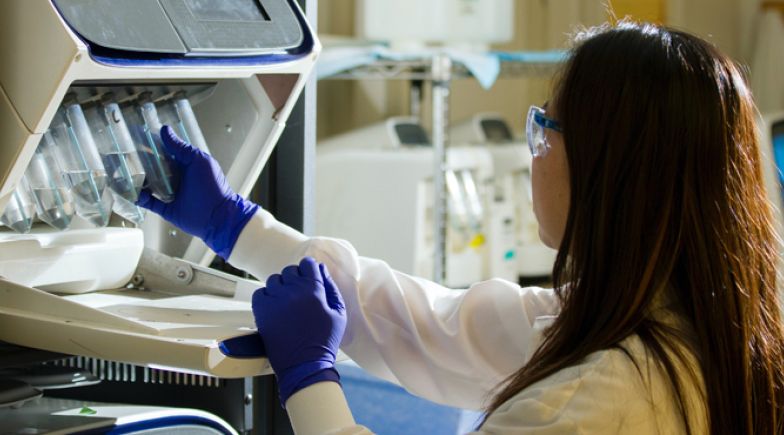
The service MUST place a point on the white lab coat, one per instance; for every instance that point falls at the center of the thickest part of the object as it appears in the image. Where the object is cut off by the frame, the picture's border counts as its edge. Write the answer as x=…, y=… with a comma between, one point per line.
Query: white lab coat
x=454, y=346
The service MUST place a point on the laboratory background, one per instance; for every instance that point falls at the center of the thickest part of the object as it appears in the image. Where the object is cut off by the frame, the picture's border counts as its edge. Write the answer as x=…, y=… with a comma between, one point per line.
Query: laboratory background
x=396, y=125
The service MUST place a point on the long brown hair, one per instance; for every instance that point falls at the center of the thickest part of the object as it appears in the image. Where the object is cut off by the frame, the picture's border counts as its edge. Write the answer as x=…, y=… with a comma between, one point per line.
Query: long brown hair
x=667, y=198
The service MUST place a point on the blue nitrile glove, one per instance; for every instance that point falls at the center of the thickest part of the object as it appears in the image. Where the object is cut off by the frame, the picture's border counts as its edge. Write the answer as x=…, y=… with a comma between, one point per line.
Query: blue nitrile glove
x=301, y=318
x=204, y=204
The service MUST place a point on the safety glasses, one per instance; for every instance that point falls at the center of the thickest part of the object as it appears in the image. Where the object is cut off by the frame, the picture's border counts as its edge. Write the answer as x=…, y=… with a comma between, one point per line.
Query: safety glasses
x=535, y=126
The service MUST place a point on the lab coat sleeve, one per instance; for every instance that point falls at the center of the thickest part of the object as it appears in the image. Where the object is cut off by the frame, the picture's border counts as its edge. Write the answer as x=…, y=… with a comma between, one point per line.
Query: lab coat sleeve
x=449, y=346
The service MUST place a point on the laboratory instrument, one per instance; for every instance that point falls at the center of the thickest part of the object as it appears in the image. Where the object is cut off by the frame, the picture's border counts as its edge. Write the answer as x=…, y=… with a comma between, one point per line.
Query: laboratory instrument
x=120, y=158
x=62, y=416
x=114, y=292
x=515, y=251
x=81, y=163
x=20, y=209
x=51, y=192
x=374, y=188
x=178, y=113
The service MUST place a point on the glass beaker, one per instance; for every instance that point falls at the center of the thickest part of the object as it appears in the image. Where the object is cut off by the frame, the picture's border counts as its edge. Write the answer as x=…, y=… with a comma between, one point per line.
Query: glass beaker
x=81, y=164
x=51, y=193
x=145, y=128
x=119, y=155
x=178, y=113
x=20, y=210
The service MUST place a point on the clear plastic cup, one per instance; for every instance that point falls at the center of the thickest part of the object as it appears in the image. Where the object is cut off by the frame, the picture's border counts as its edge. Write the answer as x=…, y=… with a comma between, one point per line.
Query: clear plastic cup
x=51, y=193
x=20, y=210
x=81, y=164
x=145, y=127
x=178, y=113
x=119, y=155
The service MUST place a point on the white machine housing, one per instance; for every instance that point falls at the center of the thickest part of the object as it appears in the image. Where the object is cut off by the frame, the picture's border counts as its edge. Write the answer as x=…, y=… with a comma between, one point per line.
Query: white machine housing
x=472, y=23
x=62, y=417
x=118, y=293
x=374, y=188
x=512, y=190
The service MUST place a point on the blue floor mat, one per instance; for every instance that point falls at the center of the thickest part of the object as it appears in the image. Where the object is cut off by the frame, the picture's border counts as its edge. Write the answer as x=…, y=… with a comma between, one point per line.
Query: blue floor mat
x=388, y=409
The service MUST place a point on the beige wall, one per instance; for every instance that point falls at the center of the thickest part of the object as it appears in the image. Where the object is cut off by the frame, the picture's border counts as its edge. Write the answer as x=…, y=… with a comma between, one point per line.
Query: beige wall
x=539, y=24
x=719, y=21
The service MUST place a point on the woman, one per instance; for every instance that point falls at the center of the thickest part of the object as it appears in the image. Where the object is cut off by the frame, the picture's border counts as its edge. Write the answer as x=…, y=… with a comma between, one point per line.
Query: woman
x=664, y=318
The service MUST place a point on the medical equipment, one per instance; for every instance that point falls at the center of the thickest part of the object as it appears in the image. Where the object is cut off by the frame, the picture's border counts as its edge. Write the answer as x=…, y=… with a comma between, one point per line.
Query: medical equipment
x=511, y=202
x=61, y=416
x=374, y=188
x=91, y=77
x=120, y=157
x=20, y=210
x=81, y=163
x=52, y=193
x=461, y=22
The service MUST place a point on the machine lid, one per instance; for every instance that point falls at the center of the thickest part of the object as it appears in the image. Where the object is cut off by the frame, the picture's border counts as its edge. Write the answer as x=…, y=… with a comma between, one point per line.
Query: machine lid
x=140, y=25
x=186, y=27
x=241, y=27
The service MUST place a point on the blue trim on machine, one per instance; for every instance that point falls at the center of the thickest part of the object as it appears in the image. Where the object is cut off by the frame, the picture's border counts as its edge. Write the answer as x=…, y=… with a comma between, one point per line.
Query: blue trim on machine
x=156, y=423
x=123, y=58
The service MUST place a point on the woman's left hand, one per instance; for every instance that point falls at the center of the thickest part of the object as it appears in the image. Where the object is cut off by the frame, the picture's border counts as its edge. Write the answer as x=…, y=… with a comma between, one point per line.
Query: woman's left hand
x=301, y=317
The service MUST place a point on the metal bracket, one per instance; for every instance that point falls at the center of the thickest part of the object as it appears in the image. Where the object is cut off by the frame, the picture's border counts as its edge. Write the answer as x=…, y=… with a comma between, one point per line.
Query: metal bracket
x=165, y=274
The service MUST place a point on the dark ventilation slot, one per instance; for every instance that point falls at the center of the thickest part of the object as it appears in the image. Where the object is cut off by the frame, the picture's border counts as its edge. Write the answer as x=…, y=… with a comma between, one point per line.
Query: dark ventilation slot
x=228, y=10
x=496, y=130
x=411, y=134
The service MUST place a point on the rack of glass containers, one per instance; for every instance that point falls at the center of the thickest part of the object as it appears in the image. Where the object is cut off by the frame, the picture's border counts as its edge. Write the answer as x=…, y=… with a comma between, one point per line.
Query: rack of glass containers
x=100, y=150
x=102, y=147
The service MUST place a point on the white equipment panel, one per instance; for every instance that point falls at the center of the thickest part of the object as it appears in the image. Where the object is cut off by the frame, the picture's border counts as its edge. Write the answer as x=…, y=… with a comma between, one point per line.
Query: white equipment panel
x=374, y=188
x=512, y=191
x=142, y=295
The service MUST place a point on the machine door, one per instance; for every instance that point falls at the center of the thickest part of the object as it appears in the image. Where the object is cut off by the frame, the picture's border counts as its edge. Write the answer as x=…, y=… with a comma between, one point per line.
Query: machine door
x=186, y=27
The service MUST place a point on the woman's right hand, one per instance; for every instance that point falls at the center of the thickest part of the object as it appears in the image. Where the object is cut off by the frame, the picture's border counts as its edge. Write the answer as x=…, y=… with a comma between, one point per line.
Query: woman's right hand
x=204, y=205
x=301, y=317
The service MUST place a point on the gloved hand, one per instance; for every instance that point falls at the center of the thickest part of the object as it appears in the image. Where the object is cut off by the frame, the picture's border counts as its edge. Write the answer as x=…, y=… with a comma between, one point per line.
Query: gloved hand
x=301, y=318
x=204, y=204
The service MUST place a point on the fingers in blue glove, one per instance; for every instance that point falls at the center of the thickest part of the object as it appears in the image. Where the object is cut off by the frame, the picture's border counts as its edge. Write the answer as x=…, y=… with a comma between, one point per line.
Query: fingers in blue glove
x=334, y=298
x=146, y=200
x=256, y=301
x=289, y=274
x=274, y=284
x=309, y=268
x=179, y=149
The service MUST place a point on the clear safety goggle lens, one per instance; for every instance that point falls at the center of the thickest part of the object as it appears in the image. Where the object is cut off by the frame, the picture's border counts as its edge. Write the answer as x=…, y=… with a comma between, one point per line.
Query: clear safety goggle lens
x=537, y=142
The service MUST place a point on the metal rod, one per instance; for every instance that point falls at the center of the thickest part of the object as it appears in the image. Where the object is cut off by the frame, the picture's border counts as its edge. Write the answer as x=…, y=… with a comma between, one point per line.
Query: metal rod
x=415, y=95
x=442, y=75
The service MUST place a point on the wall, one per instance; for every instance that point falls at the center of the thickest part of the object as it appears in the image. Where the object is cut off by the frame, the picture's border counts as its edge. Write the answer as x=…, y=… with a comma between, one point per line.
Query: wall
x=539, y=24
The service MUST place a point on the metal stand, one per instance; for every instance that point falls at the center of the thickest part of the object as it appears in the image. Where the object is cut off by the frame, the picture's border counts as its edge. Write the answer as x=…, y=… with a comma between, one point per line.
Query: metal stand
x=439, y=72
x=442, y=74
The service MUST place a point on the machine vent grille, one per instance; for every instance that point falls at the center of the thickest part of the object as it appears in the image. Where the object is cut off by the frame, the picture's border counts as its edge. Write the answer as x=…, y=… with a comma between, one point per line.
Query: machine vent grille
x=124, y=372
